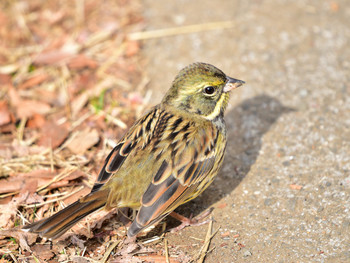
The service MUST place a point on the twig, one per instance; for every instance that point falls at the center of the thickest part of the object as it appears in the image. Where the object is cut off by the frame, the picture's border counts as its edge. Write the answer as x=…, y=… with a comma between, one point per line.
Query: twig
x=109, y=251
x=166, y=251
x=21, y=126
x=13, y=257
x=151, y=240
x=55, y=200
x=57, y=178
x=51, y=160
x=173, y=31
x=204, y=250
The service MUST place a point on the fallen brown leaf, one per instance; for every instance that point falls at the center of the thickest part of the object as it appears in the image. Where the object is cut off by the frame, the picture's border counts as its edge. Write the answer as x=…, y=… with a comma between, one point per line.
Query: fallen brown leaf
x=14, y=96
x=42, y=177
x=43, y=251
x=7, y=128
x=83, y=140
x=25, y=238
x=37, y=121
x=74, y=197
x=78, y=103
x=52, y=57
x=8, y=211
x=5, y=116
x=5, y=79
x=27, y=108
x=33, y=81
x=52, y=135
x=81, y=61
x=17, y=182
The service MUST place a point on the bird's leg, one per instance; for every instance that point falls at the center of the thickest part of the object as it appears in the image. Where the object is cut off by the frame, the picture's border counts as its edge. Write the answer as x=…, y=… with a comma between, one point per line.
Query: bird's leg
x=130, y=240
x=197, y=221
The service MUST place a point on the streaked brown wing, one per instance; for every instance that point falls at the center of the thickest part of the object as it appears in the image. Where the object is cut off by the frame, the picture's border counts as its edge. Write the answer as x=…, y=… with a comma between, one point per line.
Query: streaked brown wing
x=138, y=135
x=171, y=186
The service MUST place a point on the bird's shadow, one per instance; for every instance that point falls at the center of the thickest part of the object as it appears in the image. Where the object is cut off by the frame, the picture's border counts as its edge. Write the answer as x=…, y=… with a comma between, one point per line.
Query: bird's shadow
x=246, y=125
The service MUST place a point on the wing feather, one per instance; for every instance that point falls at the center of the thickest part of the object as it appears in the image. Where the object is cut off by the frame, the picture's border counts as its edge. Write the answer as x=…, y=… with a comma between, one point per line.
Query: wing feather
x=177, y=179
x=137, y=136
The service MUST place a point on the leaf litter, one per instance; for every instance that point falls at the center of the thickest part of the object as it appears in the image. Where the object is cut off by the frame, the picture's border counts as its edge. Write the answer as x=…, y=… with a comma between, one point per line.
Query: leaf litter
x=71, y=84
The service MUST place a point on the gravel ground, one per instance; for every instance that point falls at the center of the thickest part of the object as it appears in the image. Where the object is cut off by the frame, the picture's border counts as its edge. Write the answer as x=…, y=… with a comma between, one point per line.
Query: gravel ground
x=283, y=193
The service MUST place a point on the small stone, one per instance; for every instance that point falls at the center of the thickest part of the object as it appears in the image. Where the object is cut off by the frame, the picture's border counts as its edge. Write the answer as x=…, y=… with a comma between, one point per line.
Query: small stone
x=286, y=163
x=247, y=253
x=268, y=202
x=320, y=209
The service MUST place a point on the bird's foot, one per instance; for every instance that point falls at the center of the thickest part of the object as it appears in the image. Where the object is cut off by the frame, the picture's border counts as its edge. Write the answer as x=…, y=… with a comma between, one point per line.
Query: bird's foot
x=196, y=221
x=129, y=245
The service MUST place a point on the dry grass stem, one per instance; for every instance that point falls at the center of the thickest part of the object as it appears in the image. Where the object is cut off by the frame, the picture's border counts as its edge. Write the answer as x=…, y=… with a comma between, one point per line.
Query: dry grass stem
x=64, y=196
x=144, y=35
x=109, y=251
x=151, y=240
x=204, y=250
x=166, y=250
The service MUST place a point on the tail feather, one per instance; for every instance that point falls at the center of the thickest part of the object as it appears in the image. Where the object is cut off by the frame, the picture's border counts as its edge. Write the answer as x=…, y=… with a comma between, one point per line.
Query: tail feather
x=56, y=225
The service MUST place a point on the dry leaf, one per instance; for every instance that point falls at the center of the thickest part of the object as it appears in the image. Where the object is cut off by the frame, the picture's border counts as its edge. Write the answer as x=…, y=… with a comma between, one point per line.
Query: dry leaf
x=25, y=238
x=27, y=108
x=52, y=134
x=29, y=186
x=52, y=57
x=78, y=103
x=7, y=128
x=5, y=79
x=33, y=81
x=8, y=211
x=37, y=121
x=81, y=61
x=74, y=197
x=43, y=251
x=83, y=140
x=41, y=177
x=14, y=96
x=5, y=116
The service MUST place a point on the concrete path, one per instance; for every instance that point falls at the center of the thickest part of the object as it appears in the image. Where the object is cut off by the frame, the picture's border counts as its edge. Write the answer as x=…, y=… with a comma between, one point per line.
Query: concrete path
x=284, y=192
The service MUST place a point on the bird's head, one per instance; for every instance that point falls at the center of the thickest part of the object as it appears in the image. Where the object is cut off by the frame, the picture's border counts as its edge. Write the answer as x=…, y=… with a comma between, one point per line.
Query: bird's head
x=202, y=89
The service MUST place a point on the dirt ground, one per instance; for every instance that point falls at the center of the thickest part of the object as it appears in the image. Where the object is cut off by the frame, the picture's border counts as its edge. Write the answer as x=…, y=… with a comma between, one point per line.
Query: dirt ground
x=283, y=194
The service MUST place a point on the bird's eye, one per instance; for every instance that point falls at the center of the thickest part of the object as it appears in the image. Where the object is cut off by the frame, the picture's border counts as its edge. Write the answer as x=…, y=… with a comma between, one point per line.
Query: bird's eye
x=209, y=90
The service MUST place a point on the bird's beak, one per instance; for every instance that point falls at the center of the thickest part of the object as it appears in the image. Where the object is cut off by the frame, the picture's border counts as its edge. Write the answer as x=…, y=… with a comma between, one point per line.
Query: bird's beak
x=232, y=83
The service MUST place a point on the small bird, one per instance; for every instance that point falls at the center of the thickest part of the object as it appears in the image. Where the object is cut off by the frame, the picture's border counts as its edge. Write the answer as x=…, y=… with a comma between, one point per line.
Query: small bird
x=167, y=158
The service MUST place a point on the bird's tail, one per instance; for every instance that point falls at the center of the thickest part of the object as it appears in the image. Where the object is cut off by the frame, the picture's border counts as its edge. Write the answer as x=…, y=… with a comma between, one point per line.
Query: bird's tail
x=56, y=225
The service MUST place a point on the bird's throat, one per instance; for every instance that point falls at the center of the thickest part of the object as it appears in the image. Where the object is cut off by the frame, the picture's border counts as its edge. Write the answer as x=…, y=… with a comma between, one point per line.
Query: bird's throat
x=219, y=107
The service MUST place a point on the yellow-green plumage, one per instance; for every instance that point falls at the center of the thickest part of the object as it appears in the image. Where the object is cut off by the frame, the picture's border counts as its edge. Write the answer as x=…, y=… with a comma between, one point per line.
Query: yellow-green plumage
x=168, y=157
